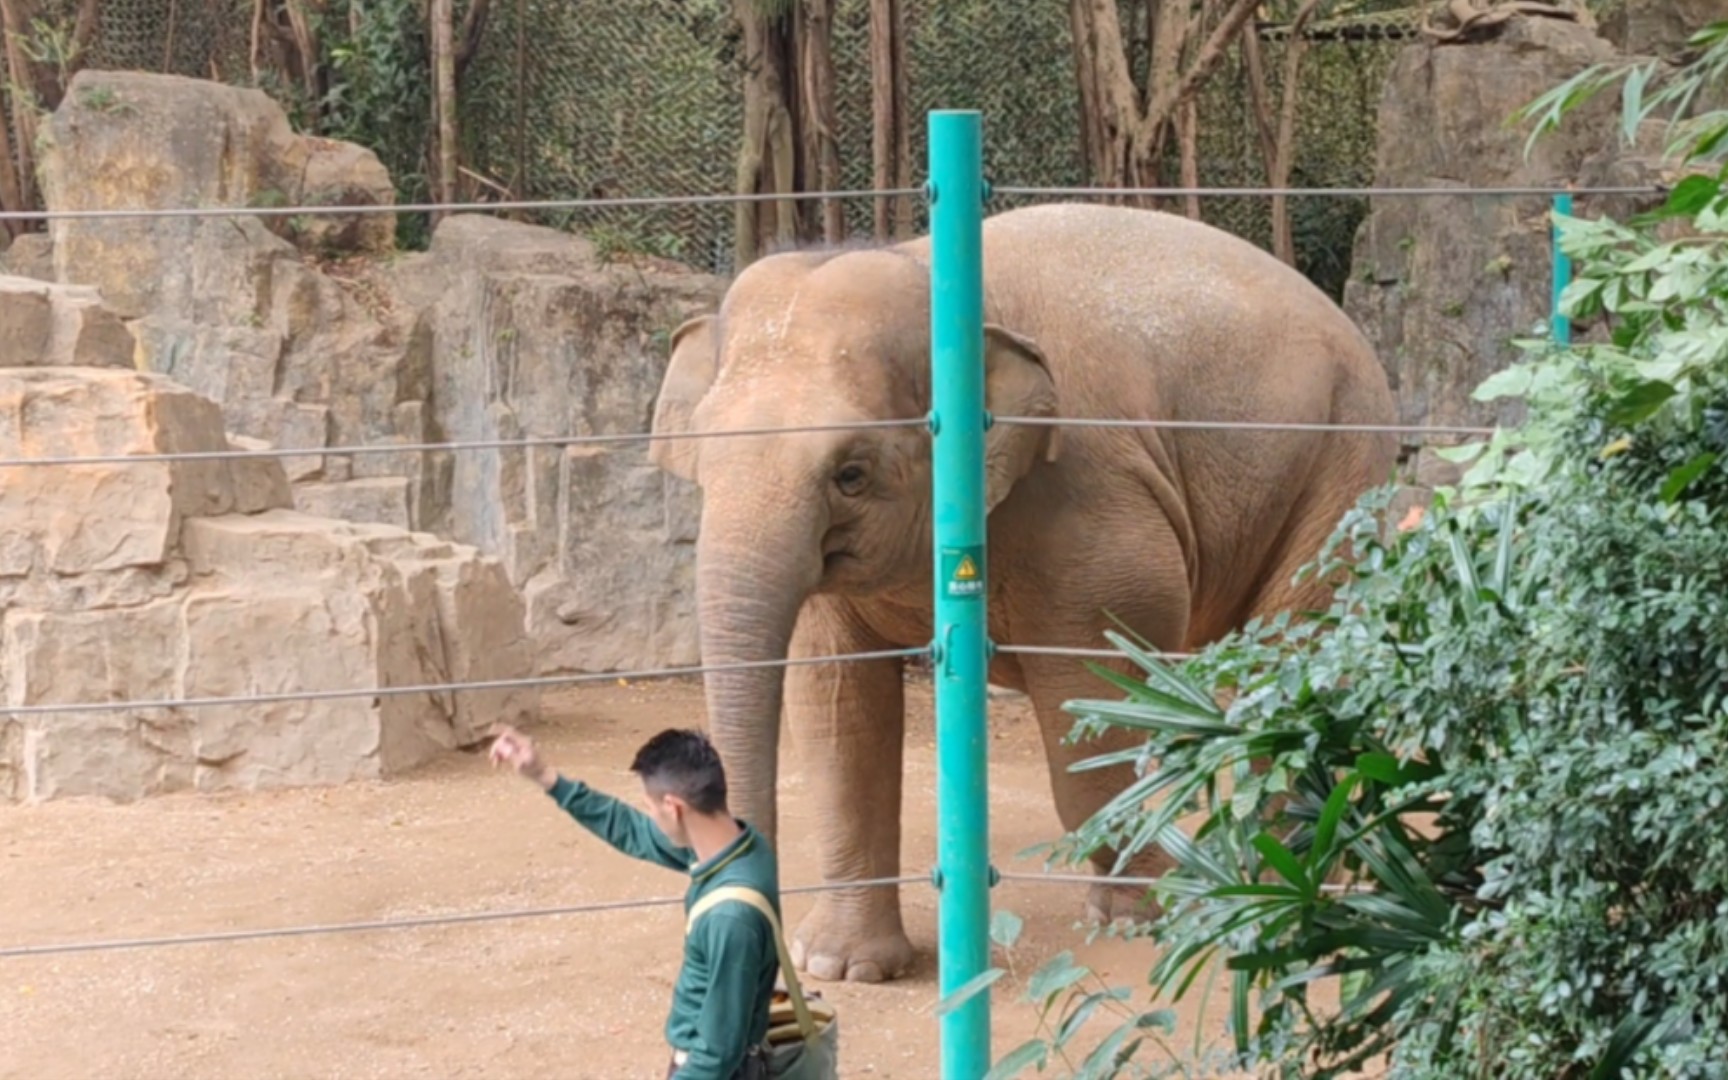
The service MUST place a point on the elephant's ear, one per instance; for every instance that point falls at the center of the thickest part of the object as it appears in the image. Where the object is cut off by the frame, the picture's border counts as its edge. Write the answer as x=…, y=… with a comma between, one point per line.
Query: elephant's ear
x=689, y=375
x=1017, y=382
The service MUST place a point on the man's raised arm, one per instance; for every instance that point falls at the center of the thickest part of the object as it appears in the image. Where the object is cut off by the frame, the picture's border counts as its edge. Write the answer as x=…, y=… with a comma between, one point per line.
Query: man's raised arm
x=624, y=827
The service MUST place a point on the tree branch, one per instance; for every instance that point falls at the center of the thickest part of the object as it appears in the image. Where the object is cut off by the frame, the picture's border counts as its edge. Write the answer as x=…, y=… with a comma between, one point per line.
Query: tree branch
x=1283, y=243
x=468, y=38
x=1206, y=61
x=1255, y=62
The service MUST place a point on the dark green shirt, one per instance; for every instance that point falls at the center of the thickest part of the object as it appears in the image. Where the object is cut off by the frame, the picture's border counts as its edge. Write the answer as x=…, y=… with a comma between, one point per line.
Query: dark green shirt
x=720, y=1002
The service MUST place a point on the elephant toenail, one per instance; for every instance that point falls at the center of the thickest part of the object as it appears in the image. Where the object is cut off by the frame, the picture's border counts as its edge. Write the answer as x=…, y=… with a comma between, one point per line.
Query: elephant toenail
x=827, y=968
x=864, y=971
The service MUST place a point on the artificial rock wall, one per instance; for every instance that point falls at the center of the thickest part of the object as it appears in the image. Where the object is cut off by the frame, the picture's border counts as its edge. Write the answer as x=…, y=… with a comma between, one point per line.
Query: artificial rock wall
x=310, y=333
x=159, y=581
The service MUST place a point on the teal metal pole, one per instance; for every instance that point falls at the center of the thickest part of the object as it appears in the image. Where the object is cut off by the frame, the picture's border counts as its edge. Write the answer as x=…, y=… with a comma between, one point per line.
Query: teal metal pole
x=961, y=646
x=1559, y=326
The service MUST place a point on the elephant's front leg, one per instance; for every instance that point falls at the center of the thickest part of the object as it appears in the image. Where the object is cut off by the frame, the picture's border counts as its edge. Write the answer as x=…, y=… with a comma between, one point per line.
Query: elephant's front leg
x=849, y=723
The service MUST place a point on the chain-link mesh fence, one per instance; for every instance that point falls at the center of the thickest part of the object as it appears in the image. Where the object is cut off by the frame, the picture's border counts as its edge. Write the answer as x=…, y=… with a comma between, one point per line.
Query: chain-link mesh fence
x=587, y=98
x=596, y=98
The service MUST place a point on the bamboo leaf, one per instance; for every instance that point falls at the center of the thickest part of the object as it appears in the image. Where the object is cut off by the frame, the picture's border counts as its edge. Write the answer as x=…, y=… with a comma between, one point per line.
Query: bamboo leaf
x=971, y=989
x=1030, y=1052
x=1059, y=973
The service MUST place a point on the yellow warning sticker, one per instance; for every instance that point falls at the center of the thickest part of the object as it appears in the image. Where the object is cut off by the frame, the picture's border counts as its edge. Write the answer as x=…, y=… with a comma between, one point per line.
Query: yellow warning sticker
x=963, y=572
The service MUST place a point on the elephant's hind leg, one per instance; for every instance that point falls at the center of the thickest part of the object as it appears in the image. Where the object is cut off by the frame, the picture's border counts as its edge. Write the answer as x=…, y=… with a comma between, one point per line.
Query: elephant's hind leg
x=1054, y=681
x=849, y=723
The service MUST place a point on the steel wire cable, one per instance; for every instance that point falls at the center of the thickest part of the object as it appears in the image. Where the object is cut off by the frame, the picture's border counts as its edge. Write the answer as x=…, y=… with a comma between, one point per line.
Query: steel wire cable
x=477, y=444
x=1147, y=882
x=808, y=196
x=1080, y=653
x=414, y=922
x=445, y=208
x=1325, y=192
x=1243, y=425
x=636, y=437
x=450, y=688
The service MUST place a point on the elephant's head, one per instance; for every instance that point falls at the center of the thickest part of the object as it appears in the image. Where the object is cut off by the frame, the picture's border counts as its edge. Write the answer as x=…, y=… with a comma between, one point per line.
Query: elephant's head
x=809, y=340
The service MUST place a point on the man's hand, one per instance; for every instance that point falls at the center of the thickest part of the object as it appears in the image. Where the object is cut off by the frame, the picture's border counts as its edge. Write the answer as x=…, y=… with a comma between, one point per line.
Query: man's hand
x=511, y=747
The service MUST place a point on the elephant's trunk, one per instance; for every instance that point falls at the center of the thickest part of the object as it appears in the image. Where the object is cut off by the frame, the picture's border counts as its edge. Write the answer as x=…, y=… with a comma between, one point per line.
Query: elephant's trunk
x=755, y=566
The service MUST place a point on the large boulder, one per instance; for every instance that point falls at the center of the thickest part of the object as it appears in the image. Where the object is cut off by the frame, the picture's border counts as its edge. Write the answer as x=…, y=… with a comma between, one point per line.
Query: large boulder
x=226, y=304
x=43, y=323
x=31, y=255
x=527, y=333
x=1444, y=286
x=162, y=581
x=135, y=140
x=1660, y=27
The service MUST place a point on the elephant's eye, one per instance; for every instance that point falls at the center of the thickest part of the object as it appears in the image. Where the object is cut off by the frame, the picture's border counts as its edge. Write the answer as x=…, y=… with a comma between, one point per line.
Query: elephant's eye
x=850, y=479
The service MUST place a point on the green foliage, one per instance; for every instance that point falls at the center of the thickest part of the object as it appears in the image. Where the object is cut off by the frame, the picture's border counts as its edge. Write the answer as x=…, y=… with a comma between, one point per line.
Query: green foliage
x=379, y=93
x=1067, y=996
x=1477, y=799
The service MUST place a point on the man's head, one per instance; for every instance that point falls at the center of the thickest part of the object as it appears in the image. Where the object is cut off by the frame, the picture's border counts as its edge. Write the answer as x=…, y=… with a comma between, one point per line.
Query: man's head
x=682, y=777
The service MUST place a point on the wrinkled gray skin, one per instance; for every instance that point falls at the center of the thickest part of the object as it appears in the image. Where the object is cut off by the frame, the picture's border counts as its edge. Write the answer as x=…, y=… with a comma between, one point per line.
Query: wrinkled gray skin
x=817, y=544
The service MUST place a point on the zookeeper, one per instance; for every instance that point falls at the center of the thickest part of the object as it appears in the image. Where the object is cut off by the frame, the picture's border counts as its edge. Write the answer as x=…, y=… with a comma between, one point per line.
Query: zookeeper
x=718, y=1025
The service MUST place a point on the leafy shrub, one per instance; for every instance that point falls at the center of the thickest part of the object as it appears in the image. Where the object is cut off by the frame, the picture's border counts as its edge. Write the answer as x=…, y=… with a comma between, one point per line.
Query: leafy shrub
x=1481, y=796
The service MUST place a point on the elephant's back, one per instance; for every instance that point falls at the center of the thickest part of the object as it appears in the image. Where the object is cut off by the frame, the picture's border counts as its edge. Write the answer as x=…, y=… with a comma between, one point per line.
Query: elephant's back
x=1150, y=314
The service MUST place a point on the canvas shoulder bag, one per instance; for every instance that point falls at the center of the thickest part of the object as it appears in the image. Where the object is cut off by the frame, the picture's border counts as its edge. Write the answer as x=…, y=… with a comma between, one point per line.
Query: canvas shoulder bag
x=803, y=1033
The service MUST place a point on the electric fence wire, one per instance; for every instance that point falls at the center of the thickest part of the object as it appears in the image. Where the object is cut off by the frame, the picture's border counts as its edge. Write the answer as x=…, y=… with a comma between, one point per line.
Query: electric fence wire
x=1243, y=425
x=1138, y=882
x=1321, y=193
x=444, y=447
x=451, y=688
x=105, y=213
x=424, y=921
x=61, y=948
x=360, y=449
x=1081, y=654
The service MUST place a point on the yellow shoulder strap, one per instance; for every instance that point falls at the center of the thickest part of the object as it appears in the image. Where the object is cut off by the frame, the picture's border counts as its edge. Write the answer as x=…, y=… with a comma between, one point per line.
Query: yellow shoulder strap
x=760, y=903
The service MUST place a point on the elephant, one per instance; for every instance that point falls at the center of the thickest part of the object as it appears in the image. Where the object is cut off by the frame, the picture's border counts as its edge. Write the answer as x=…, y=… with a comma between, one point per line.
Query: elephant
x=819, y=543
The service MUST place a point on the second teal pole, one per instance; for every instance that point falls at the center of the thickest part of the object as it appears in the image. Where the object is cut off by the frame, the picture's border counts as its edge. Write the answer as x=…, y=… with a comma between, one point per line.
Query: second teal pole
x=1559, y=326
x=961, y=646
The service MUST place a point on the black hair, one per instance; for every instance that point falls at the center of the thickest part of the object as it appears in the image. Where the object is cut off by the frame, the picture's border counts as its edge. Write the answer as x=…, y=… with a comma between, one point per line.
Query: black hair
x=683, y=763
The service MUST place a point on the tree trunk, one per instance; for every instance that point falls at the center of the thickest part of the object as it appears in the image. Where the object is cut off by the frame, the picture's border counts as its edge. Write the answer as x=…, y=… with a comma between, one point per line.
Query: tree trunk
x=1264, y=129
x=1188, y=133
x=1170, y=23
x=783, y=132
x=903, y=209
x=11, y=195
x=821, y=128
x=1170, y=28
x=1163, y=106
x=889, y=135
x=468, y=38
x=16, y=15
x=1086, y=79
x=443, y=18
x=1127, y=126
x=1119, y=157
x=767, y=159
x=304, y=37
x=35, y=86
x=1284, y=160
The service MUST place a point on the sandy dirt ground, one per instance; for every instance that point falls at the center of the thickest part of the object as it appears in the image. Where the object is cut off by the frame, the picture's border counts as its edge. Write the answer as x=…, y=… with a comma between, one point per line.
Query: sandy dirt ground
x=569, y=996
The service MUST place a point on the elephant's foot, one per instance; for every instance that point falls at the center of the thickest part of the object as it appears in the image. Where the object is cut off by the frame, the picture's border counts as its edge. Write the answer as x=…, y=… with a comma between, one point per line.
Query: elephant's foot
x=1122, y=905
x=832, y=945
